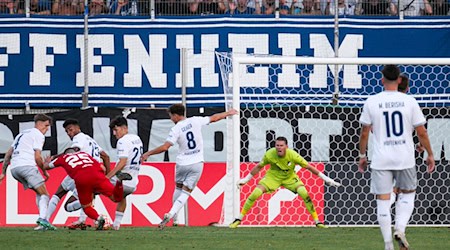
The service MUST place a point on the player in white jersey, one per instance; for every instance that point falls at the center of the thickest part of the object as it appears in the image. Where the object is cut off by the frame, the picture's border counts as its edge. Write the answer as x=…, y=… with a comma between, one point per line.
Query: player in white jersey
x=129, y=151
x=85, y=144
x=393, y=116
x=187, y=133
x=25, y=158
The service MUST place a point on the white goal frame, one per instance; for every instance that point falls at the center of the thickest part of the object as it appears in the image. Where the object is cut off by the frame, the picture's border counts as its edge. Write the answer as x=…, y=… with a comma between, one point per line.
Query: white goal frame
x=231, y=212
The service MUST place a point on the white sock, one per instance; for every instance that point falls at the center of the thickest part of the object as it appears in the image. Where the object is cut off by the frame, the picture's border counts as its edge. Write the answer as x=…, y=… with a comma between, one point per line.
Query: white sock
x=393, y=198
x=403, y=210
x=117, y=220
x=83, y=216
x=38, y=198
x=52, y=206
x=384, y=219
x=73, y=206
x=176, y=194
x=43, y=205
x=179, y=203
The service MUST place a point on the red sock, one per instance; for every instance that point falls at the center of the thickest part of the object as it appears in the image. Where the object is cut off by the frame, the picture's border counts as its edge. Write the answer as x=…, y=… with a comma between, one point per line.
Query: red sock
x=118, y=192
x=91, y=212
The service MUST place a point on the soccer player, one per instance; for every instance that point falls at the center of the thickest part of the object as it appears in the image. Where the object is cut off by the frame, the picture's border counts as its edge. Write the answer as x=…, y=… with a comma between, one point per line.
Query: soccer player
x=89, y=178
x=85, y=144
x=129, y=151
x=187, y=133
x=393, y=117
x=282, y=161
x=25, y=158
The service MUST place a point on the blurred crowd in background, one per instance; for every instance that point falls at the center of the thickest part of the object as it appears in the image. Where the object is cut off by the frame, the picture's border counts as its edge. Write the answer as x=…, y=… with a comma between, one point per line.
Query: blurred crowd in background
x=227, y=7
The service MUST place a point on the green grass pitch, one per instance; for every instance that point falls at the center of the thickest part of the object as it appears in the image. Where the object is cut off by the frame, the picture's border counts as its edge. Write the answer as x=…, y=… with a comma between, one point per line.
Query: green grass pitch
x=364, y=238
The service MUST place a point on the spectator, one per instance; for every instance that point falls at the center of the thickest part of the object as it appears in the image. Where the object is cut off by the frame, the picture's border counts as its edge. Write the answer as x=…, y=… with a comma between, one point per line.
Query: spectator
x=415, y=7
x=97, y=7
x=7, y=7
x=345, y=7
x=171, y=8
x=240, y=7
x=439, y=7
x=310, y=7
x=38, y=7
x=207, y=7
x=67, y=7
x=125, y=7
x=375, y=7
x=268, y=7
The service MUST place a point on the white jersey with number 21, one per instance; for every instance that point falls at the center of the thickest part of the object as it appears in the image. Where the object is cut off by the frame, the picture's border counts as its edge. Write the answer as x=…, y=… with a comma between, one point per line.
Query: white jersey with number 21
x=393, y=116
x=188, y=135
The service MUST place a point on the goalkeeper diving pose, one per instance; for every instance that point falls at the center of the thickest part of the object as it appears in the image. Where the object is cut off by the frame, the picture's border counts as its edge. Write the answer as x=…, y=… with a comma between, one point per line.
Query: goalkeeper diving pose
x=282, y=162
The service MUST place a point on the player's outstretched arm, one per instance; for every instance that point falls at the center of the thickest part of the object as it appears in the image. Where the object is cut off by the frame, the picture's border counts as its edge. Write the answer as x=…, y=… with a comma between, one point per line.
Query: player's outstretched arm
x=223, y=115
x=255, y=170
x=155, y=151
x=324, y=177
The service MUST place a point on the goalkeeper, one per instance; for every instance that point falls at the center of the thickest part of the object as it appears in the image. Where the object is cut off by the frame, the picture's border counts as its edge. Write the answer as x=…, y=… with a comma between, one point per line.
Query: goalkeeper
x=282, y=162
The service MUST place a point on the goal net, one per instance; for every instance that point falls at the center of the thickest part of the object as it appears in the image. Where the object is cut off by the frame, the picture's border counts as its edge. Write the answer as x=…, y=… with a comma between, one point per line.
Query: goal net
x=292, y=97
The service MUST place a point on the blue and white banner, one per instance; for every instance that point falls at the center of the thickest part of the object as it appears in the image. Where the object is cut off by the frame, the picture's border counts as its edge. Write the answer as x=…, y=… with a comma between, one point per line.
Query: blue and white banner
x=136, y=61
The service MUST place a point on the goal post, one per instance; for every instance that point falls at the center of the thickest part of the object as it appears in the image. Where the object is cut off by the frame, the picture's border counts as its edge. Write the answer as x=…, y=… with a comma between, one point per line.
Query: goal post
x=292, y=96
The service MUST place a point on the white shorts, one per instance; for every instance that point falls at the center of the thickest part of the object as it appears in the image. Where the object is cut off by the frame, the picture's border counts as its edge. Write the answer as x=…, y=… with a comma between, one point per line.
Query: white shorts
x=382, y=181
x=68, y=184
x=189, y=175
x=127, y=190
x=29, y=176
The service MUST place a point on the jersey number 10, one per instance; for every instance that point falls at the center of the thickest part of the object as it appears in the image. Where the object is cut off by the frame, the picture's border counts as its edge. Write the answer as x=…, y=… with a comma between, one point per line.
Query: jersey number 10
x=394, y=123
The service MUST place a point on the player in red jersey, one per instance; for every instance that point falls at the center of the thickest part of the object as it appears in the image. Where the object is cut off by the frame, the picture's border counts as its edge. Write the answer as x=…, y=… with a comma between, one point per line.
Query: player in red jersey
x=89, y=178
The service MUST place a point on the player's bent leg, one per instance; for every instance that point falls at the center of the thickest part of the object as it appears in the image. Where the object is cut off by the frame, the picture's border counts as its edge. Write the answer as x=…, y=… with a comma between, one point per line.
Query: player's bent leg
x=254, y=196
x=302, y=192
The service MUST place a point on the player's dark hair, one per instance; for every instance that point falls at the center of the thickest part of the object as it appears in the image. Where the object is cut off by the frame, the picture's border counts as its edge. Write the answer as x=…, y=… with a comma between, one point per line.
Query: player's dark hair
x=42, y=118
x=177, y=109
x=282, y=138
x=70, y=121
x=390, y=72
x=404, y=84
x=118, y=121
x=71, y=150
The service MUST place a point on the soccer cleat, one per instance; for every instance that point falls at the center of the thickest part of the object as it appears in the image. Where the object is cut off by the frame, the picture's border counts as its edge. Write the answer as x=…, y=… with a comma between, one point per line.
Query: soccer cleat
x=45, y=224
x=320, y=225
x=39, y=228
x=100, y=223
x=401, y=239
x=235, y=223
x=165, y=220
x=77, y=225
x=123, y=176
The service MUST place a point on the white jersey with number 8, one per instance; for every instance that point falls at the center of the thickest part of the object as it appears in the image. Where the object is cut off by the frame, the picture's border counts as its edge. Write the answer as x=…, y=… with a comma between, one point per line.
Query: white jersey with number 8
x=188, y=135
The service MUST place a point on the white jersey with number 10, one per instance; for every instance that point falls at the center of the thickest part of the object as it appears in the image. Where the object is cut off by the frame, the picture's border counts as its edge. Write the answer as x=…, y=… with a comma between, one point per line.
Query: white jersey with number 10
x=393, y=116
x=188, y=135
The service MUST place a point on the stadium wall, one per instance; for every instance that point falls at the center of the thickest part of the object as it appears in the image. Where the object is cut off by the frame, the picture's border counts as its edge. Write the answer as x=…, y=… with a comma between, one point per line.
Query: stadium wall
x=136, y=61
